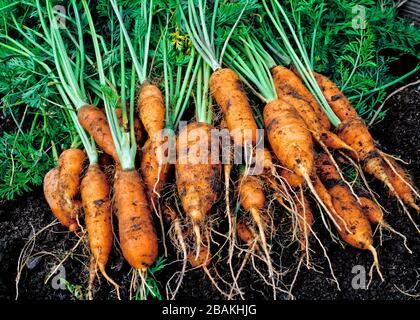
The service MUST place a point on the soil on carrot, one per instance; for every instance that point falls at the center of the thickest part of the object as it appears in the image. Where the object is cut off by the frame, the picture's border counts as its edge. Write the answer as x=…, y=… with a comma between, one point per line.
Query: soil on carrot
x=397, y=134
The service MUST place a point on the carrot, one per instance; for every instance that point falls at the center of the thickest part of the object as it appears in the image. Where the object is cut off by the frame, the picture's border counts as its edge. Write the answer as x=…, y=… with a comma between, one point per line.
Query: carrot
x=292, y=178
x=227, y=90
x=154, y=169
x=335, y=98
x=354, y=225
x=202, y=259
x=197, y=179
x=54, y=200
x=289, y=138
x=70, y=165
x=400, y=181
x=252, y=199
x=94, y=121
x=136, y=229
x=288, y=83
x=94, y=190
x=375, y=215
x=292, y=143
x=349, y=210
x=245, y=232
x=354, y=132
x=151, y=108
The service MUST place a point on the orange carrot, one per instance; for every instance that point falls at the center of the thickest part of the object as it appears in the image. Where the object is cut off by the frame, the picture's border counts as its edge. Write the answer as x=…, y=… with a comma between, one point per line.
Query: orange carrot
x=354, y=132
x=94, y=190
x=401, y=182
x=53, y=198
x=354, y=225
x=70, y=165
x=197, y=179
x=151, y=108
x=227, y=90
x=288, y=83
x=137, y=233
x=94, y=121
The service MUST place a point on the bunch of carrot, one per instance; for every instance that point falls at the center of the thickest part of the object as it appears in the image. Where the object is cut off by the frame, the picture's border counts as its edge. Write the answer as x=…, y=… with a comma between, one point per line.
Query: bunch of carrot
x=307, y=121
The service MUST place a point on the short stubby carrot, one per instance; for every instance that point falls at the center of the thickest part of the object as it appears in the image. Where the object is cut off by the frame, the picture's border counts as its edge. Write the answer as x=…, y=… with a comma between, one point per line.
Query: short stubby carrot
x=227, y=90
x=288, y=83
x=94, y=121
x=137, y=232
x=54, y=200
x=151, y=108
x=70, y=166
x=197, y=178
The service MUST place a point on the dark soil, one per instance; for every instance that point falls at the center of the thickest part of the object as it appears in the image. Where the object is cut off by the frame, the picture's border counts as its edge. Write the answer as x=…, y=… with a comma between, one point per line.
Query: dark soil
x=397, y=134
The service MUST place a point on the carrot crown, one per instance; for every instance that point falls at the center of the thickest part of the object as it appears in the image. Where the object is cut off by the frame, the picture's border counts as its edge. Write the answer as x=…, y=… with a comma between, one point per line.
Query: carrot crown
x=178, y=90
x=252, y=63
x=202, y=30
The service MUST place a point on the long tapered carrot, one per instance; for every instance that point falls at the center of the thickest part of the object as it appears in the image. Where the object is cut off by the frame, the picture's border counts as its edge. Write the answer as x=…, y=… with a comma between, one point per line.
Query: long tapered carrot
x=354, y=132
x=94, y=191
